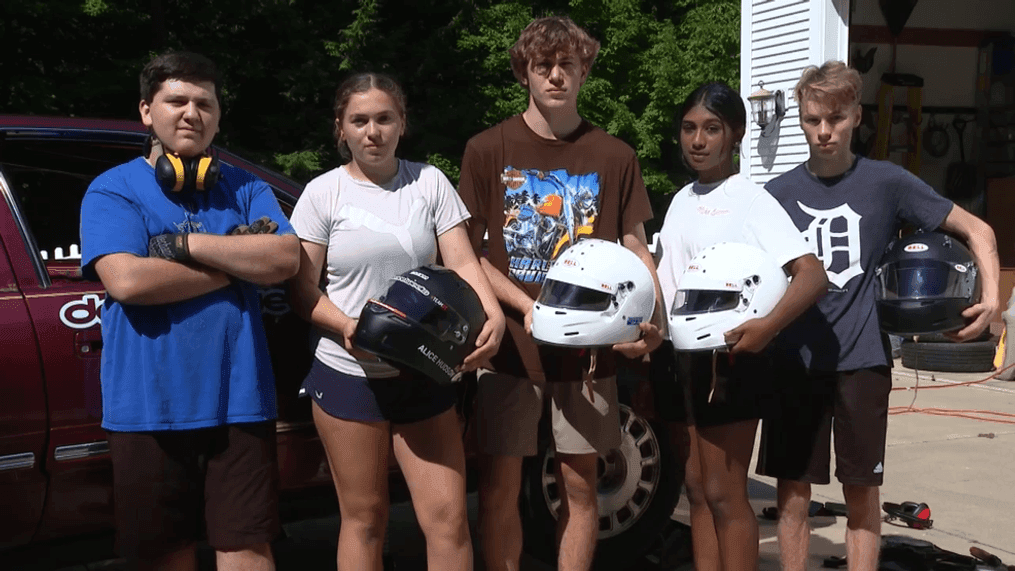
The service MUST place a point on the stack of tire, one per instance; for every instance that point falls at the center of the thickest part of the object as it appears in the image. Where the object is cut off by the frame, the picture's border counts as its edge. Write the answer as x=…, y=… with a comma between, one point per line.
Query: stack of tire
x=939, y=353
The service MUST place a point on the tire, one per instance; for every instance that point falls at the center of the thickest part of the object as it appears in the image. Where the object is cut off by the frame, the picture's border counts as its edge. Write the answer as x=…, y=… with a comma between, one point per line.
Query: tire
x=972, y=357
x=941, y=338
x=639, y=486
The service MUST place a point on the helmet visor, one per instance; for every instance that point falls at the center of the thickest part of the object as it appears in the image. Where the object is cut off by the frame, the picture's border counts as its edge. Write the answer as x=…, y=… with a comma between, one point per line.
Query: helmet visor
x=427, y=310
x=921, y=279
x=691, y=301
x=571, y=296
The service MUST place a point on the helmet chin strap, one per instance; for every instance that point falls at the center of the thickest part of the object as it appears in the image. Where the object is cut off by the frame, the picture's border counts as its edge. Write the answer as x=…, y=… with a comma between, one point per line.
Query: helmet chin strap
x=715, y=385
x=590, y=374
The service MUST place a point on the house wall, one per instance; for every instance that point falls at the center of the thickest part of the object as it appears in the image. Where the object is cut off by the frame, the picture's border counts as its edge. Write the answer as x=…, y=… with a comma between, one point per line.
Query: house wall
x=779, y=38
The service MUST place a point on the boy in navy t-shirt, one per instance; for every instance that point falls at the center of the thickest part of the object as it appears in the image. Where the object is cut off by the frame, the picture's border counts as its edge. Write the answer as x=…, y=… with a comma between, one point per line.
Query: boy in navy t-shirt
x=188, y=398
x=849, y=208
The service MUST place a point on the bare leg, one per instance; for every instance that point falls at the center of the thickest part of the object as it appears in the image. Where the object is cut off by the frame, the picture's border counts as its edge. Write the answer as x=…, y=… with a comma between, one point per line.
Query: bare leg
x=358, y=456
x=725, y=453
x=183, y=559
x=705, y=544
x=863, y=527
x=578, y=526
x=252, y=558
x=432, y=458
x=794, y=531
x=500, y=523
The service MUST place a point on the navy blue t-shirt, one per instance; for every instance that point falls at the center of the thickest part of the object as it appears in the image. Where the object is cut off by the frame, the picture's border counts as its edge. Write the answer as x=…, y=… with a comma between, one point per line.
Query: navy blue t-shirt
x=849, y=221
x=191, y=364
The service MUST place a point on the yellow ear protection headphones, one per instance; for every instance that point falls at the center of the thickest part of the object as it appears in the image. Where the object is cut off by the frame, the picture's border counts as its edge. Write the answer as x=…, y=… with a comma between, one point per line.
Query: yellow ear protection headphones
x=177, y=173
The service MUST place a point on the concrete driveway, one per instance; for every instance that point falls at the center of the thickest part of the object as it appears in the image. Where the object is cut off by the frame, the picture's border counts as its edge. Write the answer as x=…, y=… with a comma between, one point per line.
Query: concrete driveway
x=960, y=464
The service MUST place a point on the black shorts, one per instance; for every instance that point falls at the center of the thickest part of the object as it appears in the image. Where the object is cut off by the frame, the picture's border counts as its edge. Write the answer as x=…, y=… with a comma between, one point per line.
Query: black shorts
x=407, y=398
x=173, y=488
x=796, y=444
x=744, y=387
x=668, y=389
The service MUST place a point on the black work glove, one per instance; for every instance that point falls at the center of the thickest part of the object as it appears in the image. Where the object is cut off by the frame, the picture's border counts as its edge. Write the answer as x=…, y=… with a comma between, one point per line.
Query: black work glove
x=169, y=247
x=262, y=225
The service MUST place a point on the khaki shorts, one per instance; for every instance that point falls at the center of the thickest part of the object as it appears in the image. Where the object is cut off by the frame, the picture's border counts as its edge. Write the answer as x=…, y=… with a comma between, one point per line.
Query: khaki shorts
x=508, y=411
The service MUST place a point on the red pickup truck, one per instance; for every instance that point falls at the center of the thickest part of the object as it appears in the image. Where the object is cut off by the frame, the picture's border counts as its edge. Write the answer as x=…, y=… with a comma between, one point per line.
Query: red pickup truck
x=55, y=473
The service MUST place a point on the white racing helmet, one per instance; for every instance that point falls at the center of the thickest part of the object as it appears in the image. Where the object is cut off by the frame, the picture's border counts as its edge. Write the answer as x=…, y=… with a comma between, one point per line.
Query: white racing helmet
x=595, y=294
x=724, y=285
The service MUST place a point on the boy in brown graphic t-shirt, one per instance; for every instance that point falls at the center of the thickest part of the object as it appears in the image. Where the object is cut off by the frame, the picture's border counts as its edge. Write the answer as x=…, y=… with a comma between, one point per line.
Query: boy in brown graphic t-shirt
x=539, y=181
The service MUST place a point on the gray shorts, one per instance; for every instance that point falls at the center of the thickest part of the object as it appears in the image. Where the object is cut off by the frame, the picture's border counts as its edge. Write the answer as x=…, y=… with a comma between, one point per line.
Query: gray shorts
x=509, y=408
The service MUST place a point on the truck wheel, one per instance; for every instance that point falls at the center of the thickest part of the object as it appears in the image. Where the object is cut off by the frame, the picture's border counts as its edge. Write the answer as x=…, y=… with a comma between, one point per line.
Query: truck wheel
x=639, y=486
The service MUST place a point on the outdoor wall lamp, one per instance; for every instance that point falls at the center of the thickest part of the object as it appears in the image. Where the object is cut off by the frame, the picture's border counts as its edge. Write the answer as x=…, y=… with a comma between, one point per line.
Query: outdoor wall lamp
x=766, y=107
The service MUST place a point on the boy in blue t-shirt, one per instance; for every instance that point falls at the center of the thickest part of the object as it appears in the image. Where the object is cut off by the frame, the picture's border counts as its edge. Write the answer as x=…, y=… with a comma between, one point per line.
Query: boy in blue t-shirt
x=181, y=242
x=849, y=208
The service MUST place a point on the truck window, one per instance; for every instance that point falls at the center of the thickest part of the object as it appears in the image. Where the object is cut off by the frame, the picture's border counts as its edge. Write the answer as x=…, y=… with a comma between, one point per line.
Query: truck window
x=48, y=178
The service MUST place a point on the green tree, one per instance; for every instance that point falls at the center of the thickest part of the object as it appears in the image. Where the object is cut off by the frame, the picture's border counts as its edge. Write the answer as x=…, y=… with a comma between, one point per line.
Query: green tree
x=282, y=60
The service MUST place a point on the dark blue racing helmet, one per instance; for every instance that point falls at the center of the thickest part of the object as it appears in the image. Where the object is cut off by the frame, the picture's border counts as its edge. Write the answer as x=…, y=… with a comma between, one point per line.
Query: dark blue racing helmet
x=923, y=284
x=428, y=320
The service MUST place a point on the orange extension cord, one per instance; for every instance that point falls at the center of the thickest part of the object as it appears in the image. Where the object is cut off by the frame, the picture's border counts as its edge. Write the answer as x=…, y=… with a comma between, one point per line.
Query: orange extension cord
x=984, y=415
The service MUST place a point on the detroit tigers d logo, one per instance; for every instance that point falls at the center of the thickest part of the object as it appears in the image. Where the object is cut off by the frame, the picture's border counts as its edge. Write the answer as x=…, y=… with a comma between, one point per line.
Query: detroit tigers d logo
x=835, y=237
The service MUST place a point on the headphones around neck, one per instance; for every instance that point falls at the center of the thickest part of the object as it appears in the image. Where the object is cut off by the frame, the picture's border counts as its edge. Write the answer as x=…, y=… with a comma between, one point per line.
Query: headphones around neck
x=177, y=173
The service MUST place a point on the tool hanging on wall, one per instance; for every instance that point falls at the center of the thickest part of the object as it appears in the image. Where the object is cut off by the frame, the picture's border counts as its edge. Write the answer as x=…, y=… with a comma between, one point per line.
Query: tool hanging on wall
x=935, y=138
x=960, y=179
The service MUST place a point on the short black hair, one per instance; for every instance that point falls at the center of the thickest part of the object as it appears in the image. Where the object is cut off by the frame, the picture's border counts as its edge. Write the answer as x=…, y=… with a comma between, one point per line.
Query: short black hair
x=187, y=66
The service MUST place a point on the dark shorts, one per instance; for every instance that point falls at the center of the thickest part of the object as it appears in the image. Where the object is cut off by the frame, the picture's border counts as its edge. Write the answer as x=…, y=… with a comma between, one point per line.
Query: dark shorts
x=744, y=387
x=854, y=404
x=407, y=398
x=173, y=488
x=668, y=389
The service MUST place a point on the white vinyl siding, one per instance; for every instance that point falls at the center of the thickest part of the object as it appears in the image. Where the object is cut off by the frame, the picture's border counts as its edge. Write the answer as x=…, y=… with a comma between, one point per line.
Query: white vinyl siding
x=779, y=38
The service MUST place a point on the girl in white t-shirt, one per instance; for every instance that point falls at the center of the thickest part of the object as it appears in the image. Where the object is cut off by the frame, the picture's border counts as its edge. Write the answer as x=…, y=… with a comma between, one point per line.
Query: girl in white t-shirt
x=362, y=224
x=721, y=206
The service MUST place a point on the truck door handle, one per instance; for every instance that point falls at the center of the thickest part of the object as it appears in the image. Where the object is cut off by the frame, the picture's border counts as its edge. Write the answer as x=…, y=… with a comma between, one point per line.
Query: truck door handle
x=88, y=342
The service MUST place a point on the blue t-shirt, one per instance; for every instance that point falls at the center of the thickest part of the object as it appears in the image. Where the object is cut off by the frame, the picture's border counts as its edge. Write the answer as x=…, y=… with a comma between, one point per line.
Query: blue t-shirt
x=849, y=222
x=194, y=363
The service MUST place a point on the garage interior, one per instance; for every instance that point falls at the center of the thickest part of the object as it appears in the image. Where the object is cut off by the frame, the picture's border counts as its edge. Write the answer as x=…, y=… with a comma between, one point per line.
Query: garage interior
x=939, y=100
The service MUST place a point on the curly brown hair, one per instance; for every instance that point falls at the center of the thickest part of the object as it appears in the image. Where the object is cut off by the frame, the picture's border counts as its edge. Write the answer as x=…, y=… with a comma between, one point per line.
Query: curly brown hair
x=548, y=37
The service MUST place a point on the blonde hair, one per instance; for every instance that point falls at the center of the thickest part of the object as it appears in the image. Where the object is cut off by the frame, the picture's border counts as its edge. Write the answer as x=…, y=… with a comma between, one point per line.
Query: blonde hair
x=549, y=37
x=833, y=82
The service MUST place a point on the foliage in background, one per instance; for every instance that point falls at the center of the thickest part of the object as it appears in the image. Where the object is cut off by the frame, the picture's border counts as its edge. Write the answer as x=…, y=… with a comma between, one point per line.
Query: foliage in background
x=283, y=59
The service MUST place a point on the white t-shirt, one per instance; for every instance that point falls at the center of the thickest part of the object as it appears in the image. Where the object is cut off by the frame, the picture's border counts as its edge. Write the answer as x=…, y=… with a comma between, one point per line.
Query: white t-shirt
x=373, y=233
x=733, y=210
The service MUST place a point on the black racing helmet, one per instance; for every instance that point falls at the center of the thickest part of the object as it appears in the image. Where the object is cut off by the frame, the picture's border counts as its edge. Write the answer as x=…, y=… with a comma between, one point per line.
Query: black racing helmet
x=924, y=282
x=428, y=321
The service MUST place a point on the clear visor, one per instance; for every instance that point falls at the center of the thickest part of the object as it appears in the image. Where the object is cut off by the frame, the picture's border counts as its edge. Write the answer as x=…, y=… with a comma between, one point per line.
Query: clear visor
x=425, y=310
x=571, y=296
x=916, y=279
x=691, y=301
